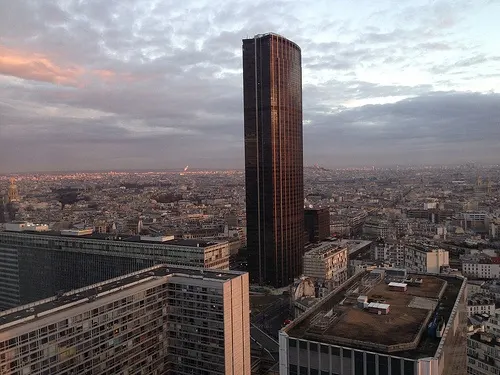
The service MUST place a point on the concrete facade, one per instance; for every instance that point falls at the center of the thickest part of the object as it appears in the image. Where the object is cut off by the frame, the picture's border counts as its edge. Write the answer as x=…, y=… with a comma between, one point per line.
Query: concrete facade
x=326, y=261
x=162, y=320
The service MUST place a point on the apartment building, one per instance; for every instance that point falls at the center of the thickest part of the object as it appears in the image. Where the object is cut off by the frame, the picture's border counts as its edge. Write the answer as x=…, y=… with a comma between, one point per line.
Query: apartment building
x=390, y=252
x=326, y=261
x=36, y=265
x=377, y=228
x=420, y=259
x=414, y=257
x=480, y=303
x=481, y=267
x=161, y=320
x=483, y=348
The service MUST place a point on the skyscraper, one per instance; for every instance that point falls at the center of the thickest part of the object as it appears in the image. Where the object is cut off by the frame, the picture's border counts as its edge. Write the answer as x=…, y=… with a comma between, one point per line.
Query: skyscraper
x=272, y=90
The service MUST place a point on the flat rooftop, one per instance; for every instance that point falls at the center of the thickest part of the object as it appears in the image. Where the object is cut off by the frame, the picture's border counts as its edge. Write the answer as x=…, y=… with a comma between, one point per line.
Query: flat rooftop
x=121, y=238
x=338, y=319
x=36, y=310
x=353, y=245
x=323, y=248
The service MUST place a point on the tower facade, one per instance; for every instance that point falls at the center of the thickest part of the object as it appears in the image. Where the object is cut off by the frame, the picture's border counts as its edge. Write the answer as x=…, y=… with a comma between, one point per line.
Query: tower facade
x=274, y=177
x=13, y=194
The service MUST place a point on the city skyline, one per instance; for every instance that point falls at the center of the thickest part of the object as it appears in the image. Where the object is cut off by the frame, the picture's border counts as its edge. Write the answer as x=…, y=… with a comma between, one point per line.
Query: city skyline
x=146, y=84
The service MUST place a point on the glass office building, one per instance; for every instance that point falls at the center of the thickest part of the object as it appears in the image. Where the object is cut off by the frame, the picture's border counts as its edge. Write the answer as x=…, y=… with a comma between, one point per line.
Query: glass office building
x=274, y=177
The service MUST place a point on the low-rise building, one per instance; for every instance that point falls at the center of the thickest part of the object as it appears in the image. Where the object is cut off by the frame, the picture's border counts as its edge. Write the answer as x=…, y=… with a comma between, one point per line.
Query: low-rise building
x=416, y=257
x=326, y=261
x=481, y=267
x=483, y=348
x=480, y=304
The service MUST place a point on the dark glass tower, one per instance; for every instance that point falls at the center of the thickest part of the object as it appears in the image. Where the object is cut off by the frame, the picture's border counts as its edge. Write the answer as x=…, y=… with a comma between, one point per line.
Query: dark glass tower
x=274, y=176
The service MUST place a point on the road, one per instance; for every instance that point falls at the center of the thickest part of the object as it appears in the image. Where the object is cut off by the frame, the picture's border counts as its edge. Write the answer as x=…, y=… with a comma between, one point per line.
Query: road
x=267, y=342
x=271, y=319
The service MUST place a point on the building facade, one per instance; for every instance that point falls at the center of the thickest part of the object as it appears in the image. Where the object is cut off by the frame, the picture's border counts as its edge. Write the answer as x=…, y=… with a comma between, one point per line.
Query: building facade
x=38, y=265
x=426, y=260
x=414, y=257
x=481, y=304
x=317, y=224
x=326, y=261
x=272, y=92
x=481, y=268
x=483, y=348
x=162, y=320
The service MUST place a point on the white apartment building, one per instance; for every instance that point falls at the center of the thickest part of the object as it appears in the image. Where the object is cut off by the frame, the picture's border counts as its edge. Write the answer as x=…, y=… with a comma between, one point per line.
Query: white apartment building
x=326, y=261
x=415, y=258
x=483, y=348
x=435, y=259
x=480, y=304
x=481, y=268
x=161, y=320
x=390, y=252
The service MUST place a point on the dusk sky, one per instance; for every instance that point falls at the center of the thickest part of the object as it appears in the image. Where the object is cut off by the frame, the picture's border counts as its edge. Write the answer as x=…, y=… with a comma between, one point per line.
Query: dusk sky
x=126, y=84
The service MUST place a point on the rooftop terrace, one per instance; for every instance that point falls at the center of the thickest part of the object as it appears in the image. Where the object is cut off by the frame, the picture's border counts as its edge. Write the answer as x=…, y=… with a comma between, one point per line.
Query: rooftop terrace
x=39, y=309
x=339, y=320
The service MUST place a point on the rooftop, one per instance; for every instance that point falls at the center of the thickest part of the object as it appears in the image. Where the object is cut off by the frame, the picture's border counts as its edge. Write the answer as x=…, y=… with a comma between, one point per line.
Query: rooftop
x=39, y=309
x=271, y=34
x=480, y=259
x=486, y=338
x=339, y=320
x=323, y=248
x=121, y=237
x=481, y=299
x=353, y=245
x=315, y=209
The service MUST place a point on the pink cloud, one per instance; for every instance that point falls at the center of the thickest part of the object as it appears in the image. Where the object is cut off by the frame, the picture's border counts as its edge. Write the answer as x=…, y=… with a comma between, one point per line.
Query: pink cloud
x=39, y=67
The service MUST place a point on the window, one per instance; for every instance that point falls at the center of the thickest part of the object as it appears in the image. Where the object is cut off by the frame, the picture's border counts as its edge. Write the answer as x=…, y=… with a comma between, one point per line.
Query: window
x=370, y=363
x=395, y=366
x=358, y=363
x=383, y=365
x=409, y=367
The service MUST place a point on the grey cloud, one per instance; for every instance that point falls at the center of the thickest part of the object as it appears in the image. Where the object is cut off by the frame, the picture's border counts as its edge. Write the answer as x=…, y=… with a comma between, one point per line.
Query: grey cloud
x=397, y=134
x=159, y=84
x=434, y=46
x=427, y=121
x=459, y=65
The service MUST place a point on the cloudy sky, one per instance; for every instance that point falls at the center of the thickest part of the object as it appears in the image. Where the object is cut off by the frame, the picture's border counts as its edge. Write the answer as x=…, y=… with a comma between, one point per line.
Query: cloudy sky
x=113, y=84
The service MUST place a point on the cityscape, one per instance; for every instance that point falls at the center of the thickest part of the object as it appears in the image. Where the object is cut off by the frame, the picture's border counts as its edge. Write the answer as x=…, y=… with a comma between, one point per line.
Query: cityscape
x=381, y=257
